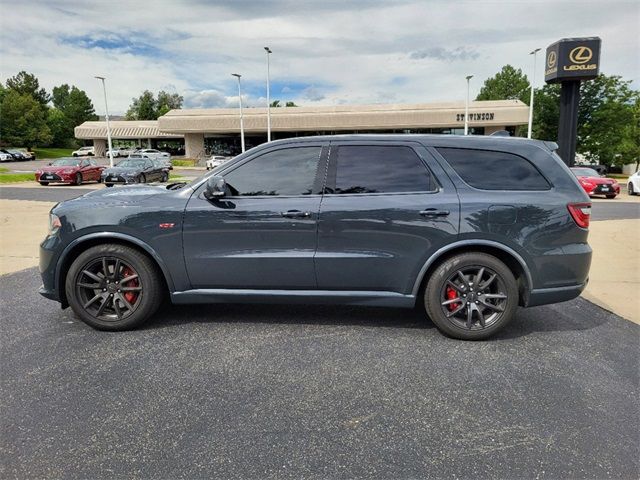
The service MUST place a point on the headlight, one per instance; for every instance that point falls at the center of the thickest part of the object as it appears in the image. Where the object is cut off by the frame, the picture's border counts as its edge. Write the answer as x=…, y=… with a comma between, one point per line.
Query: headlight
x=54, y=224
x=38, y=172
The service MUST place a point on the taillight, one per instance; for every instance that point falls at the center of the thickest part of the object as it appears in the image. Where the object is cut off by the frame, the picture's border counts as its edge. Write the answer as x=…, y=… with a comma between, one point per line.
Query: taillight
x=581, y=213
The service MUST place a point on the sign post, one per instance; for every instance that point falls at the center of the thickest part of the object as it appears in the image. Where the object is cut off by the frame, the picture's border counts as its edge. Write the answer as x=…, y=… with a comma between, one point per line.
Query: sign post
x=568, y=62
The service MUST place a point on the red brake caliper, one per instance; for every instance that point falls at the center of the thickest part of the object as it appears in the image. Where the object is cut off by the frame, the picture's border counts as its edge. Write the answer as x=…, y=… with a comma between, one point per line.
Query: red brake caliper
x=451, y=294
x=131, y=296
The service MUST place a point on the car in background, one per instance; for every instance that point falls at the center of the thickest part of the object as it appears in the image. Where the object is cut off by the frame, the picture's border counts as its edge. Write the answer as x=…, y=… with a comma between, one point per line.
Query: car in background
x=20, y=155
x=28, y=154
x=14, y=155
x=6, y=156
x=70, y=170
x=84, y=152
x=594, y=184
x=154, y=154
x=216, y=161
x=117, y=152
x=135, y=169
x=633, y=185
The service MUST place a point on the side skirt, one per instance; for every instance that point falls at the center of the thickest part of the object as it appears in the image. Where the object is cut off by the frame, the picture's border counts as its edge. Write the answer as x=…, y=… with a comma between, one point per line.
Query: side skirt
x=318, y=297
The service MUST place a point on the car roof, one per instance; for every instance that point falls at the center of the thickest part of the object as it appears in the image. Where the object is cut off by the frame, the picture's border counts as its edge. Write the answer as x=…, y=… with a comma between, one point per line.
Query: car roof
x=453, y=141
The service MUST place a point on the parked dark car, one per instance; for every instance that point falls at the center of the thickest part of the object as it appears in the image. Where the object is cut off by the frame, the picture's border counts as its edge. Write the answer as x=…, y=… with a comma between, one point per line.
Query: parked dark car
x=466, y=227
x=16, y=155
x=75, y=171
x=135, y=169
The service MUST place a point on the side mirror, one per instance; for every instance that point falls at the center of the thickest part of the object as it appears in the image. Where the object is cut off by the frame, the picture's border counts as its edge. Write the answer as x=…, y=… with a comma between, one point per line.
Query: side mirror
x=216, y=188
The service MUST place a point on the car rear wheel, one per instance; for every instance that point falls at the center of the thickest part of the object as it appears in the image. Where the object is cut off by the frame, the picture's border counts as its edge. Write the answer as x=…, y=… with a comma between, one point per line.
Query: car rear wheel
x=471, y=296
x=113, y=287
x=44, y=184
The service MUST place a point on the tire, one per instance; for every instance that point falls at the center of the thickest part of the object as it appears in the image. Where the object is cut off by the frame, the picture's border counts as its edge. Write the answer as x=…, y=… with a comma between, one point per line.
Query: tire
x=44, y=184
x=165, y=178
x=630, y=190
x=100, y=300
x=494, y=312
x=611, y=196
x=75, y=154
x=108, y=185
x=78, y=179
x=142, y=178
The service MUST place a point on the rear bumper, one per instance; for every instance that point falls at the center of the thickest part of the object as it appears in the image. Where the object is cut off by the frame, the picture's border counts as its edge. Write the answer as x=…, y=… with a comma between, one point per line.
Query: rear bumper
x=545, y=296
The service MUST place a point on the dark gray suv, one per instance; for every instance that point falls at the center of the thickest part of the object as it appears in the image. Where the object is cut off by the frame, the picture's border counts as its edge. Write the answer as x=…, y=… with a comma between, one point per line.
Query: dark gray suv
x=467, y=228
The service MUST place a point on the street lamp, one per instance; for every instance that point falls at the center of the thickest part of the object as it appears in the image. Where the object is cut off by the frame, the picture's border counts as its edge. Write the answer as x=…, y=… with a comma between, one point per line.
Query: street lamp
x=268, y=50
x=106, y=116
x=466, y=108
x=533, y=82
x=241, y=118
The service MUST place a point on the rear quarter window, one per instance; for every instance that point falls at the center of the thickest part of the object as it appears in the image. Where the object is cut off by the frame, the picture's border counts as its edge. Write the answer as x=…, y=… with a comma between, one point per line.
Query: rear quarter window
x=491, y=170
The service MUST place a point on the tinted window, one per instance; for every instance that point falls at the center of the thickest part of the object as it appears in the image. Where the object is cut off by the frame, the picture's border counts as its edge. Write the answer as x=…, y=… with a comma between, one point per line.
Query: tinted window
x=378, y=169
x=289, y=171
x=494, y=170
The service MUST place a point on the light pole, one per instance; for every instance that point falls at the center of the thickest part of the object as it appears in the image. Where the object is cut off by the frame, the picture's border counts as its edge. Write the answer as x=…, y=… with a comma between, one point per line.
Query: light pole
x=466, y=108
x=237, y=75
x=533, y=82
x=106, y=116
x=268, y=50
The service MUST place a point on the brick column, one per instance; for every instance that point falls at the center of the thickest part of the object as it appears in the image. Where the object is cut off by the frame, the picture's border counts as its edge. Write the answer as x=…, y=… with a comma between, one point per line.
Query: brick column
x=100, y=147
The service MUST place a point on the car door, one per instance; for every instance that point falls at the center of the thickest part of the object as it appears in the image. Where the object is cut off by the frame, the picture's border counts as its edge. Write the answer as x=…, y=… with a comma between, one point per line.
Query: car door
x=388, y=206
x=150, y=170
x=263, y=234
x=86, y=170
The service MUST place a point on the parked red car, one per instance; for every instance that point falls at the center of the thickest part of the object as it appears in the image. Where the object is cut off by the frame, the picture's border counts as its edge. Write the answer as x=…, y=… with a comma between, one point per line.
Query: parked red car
x=594, y=184
x=70, y=170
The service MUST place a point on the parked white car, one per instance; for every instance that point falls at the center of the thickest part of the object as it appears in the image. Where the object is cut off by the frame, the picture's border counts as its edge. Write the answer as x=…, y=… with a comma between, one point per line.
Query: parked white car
x=216, y=161
x=5, y=157
x=84, y=152
x=633, y=184
x=117, y=152
x=154, y=154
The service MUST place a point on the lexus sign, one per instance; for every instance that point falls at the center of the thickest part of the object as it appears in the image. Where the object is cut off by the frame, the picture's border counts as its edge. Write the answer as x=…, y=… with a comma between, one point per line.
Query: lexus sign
x=572, y=59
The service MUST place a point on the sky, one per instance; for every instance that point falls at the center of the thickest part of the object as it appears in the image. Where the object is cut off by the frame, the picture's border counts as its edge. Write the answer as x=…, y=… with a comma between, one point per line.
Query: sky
x=325, y=52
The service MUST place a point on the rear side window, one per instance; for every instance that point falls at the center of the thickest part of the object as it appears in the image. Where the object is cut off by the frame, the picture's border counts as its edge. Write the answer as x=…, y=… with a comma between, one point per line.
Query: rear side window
x=488, y=170
x=380, y=169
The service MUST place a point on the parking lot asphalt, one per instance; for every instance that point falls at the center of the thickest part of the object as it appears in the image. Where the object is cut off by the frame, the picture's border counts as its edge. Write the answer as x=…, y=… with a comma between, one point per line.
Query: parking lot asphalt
x=623, y=207
x=241, y=391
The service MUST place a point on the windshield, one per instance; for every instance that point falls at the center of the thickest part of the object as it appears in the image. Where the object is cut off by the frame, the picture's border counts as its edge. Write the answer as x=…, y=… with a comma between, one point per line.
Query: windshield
x=585, y=172
x=66, y=162
x=132, y=163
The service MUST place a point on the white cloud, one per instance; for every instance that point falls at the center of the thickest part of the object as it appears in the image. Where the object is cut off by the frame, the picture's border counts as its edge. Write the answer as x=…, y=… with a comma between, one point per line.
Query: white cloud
x=338, y=52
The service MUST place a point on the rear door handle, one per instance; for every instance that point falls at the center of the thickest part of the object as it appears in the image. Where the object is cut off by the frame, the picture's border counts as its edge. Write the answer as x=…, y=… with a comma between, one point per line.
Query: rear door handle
x=295, y=214
x=432, y=212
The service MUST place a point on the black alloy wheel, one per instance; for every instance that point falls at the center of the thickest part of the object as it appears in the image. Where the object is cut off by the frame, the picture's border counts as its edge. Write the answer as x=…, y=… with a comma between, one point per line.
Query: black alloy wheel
x=471, y=296
x=113, y=287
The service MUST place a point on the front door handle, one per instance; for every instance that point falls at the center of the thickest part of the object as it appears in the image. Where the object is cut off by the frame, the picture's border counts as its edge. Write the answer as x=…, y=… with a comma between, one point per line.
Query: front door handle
x=433, y=212
x=295, y=214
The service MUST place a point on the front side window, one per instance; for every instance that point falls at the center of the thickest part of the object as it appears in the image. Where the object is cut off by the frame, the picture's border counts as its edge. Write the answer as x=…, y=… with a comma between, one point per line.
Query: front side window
x=380, y=169
x=289, y=171
x=489, y=170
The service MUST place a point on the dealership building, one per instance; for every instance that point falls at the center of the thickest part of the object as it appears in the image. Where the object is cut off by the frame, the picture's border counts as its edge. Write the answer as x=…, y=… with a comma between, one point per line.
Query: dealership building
x=203, y=131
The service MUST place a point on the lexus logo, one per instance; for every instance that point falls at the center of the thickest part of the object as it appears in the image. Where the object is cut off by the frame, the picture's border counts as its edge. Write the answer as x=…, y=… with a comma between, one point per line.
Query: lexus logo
x=551, y=59
x=580, y=55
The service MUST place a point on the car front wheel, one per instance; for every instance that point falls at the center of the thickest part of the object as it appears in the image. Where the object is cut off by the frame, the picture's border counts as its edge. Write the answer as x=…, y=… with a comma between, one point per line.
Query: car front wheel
x=113, y=287
x=44, y=184
x=471, y=296
x=630, y=190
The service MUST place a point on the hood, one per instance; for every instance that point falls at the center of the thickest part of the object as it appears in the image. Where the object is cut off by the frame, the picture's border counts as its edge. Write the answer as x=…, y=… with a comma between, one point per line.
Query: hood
x=597, y=180
x=120, y=170
x=124, y=194
x=56, y=169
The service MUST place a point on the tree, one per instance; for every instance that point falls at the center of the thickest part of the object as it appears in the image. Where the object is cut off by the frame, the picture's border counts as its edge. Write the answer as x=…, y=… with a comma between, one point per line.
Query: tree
x=277, y=103
x=605, y=117
x=507, y=84
x=59, y=127
x=72, y=107
x=147, y=107
x=22, y=120
x=630, y=151
x=168, y=101
x=27, y=84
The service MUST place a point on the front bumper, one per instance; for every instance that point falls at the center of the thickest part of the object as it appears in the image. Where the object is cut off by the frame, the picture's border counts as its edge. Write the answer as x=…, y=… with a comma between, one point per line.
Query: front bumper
x=118, y=179
x=55, y=178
